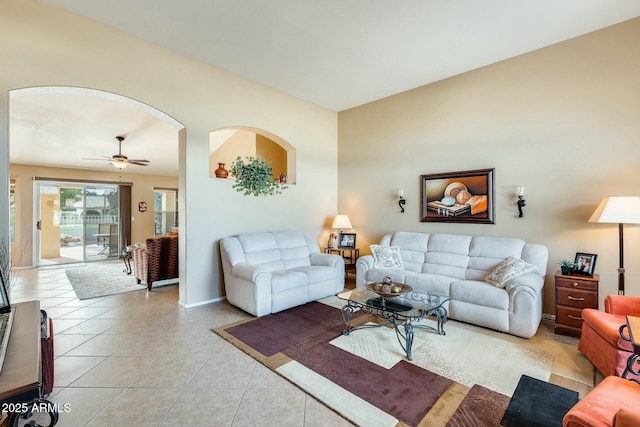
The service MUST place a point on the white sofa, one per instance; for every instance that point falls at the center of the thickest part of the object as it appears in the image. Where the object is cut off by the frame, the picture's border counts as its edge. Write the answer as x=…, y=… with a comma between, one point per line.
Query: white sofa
x=272, y=271
x=457, y=265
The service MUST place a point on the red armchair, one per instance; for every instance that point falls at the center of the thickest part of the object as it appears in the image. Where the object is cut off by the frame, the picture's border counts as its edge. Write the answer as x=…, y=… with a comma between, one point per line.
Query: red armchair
x=600, y=341
x=613, y=402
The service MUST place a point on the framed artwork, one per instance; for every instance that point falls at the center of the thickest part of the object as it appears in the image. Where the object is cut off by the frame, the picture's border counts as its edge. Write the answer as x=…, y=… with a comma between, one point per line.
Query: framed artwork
x=584, y=264
x=347, y=240
x=464, y=197
x=142, y=206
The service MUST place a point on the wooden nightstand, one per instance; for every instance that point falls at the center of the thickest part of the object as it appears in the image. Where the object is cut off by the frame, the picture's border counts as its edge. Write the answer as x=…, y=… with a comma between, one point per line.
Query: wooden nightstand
x=350, y=256
x=573, y=293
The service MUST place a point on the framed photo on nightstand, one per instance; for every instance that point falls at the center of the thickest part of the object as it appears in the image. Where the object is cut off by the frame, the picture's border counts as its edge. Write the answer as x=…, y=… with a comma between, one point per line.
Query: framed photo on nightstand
x=585, y=264
x=347, y=240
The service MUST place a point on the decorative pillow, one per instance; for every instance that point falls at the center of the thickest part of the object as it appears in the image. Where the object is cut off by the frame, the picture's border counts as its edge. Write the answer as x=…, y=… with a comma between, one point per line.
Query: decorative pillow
x=509, y=269
x=386, y=256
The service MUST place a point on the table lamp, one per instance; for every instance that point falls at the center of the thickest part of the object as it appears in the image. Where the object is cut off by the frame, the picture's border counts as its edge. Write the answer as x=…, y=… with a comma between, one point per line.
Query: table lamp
x=618, y=210
x=341, y=222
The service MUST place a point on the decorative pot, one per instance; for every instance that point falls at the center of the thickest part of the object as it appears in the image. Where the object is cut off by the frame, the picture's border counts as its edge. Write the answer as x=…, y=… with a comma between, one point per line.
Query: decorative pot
x=221, y=172
x=566, y=270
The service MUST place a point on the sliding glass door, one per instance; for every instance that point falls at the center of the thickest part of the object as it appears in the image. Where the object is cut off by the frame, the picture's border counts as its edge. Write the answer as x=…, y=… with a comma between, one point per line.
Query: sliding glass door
x=76, y=222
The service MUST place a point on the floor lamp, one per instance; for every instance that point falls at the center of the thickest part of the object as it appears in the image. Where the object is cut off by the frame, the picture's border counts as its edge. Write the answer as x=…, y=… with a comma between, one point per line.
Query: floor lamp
x=618, y=210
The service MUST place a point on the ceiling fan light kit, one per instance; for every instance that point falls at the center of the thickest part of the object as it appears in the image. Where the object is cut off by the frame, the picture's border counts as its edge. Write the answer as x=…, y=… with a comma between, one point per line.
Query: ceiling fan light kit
x=120, y=161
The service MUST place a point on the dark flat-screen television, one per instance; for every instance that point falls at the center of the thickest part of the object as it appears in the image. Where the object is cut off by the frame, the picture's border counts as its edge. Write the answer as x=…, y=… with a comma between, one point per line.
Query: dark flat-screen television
x=6, y=318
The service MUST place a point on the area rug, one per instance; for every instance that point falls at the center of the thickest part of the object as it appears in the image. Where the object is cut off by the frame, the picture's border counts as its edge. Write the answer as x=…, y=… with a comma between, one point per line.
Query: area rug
x=96, y=280
x=464, y=354
x=531, y=395
x=296, y=343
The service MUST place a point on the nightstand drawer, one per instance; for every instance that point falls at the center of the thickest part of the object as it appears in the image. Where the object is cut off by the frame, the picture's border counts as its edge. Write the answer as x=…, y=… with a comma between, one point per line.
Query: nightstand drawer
x=574, y=282
x=569, y=316
x=573, y=297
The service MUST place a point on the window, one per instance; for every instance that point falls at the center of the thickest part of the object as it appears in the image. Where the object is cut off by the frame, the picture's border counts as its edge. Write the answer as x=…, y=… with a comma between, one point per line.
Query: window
x=165, y=208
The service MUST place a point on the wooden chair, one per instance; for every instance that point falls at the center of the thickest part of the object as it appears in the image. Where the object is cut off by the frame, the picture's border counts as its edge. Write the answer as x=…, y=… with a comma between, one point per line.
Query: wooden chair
x=158, y=260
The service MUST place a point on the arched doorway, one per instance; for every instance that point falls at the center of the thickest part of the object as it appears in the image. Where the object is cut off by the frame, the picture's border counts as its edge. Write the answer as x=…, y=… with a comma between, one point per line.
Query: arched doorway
x=55, y=130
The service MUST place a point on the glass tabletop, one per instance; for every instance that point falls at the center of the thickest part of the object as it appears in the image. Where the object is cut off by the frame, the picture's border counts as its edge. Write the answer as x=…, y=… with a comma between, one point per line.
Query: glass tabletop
x=412, y=304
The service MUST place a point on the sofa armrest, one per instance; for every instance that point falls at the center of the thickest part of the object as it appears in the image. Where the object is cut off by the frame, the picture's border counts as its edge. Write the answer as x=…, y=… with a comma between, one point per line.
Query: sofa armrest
x=622, y=304
x=531, y=283
x=329, y=260
x=250, y=272
x=363, y=264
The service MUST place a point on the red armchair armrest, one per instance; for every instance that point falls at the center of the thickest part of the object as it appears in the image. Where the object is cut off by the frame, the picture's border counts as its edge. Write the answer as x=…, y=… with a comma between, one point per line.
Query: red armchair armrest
x=622, y=304
x=626, y=417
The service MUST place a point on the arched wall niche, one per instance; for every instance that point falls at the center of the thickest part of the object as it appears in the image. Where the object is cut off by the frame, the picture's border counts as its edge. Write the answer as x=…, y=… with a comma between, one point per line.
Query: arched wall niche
x=226, y=144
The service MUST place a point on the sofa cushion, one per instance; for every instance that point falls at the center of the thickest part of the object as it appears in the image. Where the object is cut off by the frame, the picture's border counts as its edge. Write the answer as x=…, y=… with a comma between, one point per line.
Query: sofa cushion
x=316, y=273
x=413, y=247
x=386, y=256
x=479, y=293
x=509, y=269
x=429, y=282
x=447, y=255
x=282, y=281
x=377, y=274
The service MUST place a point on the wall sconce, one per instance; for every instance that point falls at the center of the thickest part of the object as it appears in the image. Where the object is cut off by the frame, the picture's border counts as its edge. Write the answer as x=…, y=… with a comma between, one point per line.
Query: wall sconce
x=521, y=201
x=402, y=201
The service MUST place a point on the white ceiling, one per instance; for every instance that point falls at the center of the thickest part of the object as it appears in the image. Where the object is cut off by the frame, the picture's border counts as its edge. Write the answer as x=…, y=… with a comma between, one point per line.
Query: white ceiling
x=62, y=127
x=335, y=53
x=344, y=53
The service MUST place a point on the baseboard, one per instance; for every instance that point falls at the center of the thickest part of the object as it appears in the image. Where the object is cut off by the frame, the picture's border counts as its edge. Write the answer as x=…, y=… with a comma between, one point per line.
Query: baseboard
x=548, y=317
x=202, y=302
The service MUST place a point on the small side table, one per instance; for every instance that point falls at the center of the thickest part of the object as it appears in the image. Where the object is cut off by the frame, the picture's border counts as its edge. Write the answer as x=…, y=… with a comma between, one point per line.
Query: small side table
x=126, y=258
x=633, y=326
x=350, y=256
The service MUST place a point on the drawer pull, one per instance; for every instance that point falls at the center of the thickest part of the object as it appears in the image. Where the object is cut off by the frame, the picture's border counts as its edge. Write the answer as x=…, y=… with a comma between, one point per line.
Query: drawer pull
x=575, y=284
x=574, y=317
x=575, y=299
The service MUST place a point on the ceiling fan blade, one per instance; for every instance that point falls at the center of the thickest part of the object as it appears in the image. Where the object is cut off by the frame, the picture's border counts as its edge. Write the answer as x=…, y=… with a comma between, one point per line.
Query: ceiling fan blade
x=138, y=162
x=103, y=158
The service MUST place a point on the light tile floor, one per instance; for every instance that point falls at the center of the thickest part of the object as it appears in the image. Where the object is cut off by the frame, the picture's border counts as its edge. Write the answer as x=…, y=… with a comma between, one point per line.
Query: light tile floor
x=141, y=359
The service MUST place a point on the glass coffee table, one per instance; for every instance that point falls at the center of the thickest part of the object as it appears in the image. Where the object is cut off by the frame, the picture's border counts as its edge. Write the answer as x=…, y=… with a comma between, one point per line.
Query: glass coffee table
x=402, y=312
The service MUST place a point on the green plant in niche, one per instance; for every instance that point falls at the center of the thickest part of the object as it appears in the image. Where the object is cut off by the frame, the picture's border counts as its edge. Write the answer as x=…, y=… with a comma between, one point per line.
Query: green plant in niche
x=254, y=176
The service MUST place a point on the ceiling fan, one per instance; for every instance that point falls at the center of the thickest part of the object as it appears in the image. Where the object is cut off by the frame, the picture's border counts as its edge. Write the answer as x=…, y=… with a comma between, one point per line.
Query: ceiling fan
x=121, y=161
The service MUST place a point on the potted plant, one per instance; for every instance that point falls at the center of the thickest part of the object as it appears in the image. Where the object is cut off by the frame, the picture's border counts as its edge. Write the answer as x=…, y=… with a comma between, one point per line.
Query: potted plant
x=254, y=176
x=566, y=266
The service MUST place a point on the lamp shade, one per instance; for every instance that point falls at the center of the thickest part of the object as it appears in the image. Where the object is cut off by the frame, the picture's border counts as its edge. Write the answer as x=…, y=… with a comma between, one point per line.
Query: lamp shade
x=618, y=210
x=341, y=221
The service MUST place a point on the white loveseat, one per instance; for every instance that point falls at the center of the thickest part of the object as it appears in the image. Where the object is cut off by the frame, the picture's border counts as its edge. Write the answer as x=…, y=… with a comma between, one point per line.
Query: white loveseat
x=270, y=272
x=457, y=265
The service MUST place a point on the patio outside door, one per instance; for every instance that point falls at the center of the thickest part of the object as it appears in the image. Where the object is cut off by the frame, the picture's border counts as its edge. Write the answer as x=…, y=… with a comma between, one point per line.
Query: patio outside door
x=76, y=222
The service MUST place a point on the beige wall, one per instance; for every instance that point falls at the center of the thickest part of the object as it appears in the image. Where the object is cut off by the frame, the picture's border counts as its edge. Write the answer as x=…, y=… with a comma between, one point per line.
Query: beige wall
x=142, y=225
x=42, y=45
x=563, y=121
